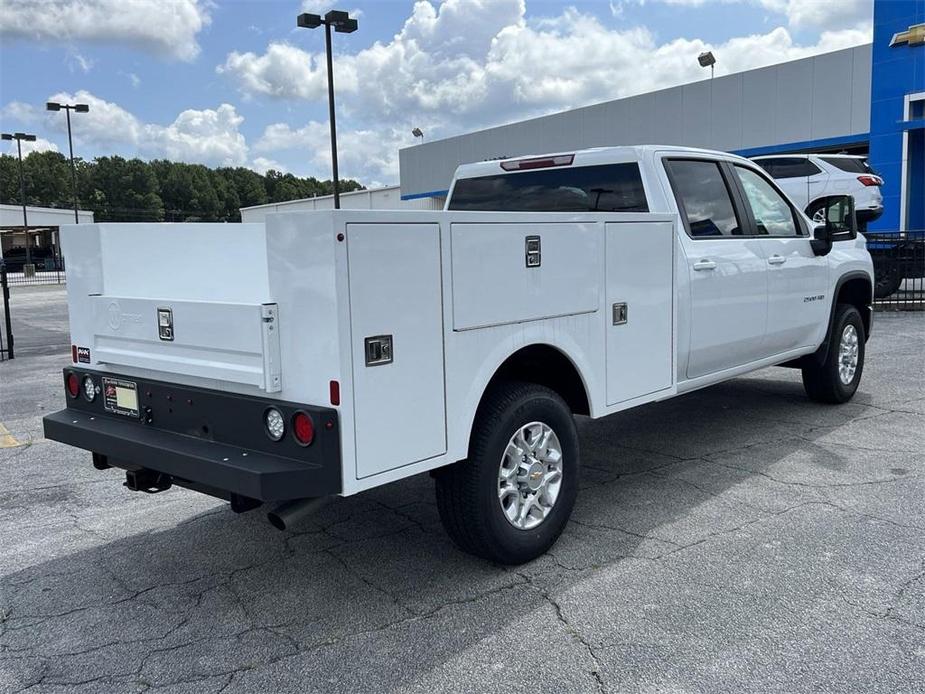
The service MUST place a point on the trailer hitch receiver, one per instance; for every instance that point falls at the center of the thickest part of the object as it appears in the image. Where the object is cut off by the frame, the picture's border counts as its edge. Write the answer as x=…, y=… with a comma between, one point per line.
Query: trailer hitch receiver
x=147, y=481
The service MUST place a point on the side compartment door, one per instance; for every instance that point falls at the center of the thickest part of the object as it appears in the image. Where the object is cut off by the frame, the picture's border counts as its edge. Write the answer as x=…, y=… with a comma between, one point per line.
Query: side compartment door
x=640, y=308
x=727, y=269
x=396, y=321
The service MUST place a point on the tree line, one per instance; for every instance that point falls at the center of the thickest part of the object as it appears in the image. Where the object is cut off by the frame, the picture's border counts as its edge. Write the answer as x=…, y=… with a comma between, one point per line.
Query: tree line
x=131, y=190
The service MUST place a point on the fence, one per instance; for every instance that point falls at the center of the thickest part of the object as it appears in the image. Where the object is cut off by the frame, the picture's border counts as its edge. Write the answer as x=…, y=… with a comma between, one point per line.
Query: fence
x=6, y=329
x=899, y=269
x=40, y=277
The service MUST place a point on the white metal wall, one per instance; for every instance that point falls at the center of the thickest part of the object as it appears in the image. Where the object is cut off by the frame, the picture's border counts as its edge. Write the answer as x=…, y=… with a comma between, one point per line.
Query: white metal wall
x=814, y=98
x=388, y=198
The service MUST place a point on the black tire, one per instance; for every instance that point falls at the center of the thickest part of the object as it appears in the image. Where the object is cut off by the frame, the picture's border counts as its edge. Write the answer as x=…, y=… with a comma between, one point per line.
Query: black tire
x=823, y=382
x=886, y=281
x=467, y=492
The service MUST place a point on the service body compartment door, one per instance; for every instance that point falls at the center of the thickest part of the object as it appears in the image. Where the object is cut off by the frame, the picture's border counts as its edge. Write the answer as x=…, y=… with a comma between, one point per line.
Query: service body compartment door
x=640, y=310
x=396, y=320
x=516, y=272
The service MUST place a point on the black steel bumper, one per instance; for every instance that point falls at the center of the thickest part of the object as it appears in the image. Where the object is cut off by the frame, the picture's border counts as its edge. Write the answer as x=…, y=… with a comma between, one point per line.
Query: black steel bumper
x=205, y=440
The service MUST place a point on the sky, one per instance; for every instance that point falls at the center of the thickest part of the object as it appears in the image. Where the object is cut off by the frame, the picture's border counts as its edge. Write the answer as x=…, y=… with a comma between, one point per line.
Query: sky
x=236, y=83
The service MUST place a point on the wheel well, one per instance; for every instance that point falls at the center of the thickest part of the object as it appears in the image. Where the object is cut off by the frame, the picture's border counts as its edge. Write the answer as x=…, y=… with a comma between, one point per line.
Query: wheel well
x=545, y=366
x=857, y=292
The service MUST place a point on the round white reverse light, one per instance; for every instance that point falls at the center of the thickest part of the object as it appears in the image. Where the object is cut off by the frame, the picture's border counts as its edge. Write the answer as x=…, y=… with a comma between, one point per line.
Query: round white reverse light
x=276, y=425
x=89, y=389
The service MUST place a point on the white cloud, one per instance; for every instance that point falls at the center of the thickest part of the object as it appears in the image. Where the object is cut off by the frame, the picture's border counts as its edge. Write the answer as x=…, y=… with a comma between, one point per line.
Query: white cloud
x=828, y=15
x=207, y=136
x=283, y=71
x=19, y=111
x=39, y=145
x=81, y=62
x=368, y=155
x=822, y=14
x=466, y=64
x=166, y=27
x=261, y=165
x=106, y=124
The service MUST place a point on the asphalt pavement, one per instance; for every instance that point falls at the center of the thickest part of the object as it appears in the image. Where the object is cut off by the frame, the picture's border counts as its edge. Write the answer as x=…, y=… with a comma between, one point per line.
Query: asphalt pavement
x=737, y=539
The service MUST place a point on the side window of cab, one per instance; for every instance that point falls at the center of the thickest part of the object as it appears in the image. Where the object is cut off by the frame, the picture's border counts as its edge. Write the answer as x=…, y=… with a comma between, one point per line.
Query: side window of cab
x=772, y=212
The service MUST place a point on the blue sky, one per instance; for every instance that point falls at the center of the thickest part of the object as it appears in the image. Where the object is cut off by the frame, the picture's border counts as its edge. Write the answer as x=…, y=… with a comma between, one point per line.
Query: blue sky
x=234, y=82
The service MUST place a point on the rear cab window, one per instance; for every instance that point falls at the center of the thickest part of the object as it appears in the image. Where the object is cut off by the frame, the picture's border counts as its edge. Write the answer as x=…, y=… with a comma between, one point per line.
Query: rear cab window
x=600, y=188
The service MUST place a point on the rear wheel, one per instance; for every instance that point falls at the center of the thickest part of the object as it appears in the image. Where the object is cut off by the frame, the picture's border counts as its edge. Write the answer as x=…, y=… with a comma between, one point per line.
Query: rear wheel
x=509, y=501
x=887, y=280
x=837, y=378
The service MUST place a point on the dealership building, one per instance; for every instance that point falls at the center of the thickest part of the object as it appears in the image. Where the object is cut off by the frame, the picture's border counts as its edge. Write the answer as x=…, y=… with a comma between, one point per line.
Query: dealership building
x=864, y=100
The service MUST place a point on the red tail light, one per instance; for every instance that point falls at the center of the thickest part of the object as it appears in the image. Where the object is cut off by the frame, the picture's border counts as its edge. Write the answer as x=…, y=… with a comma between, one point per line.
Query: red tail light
x=73, y=385
x=303, y=428
x=537, y=162
x=870, y=180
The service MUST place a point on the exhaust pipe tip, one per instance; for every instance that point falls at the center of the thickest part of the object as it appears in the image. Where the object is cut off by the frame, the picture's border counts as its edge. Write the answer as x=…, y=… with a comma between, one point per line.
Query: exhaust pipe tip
x=289, y=513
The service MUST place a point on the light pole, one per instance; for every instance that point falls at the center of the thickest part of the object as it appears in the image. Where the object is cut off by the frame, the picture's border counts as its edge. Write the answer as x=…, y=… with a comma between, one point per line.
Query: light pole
x=79, y=108
x=19, y=137
x=707, y=59
x=342, y=23
x=417, y=132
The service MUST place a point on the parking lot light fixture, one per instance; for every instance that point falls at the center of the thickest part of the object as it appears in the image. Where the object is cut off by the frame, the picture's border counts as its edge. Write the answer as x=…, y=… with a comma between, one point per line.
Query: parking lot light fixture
x=78, y=108
x=342, y=23
x=417, y=132
x=707, y=59
x=20, y=137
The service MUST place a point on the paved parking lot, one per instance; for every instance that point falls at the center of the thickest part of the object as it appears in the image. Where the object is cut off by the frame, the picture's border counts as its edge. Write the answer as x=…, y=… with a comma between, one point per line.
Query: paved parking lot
x=737, y=539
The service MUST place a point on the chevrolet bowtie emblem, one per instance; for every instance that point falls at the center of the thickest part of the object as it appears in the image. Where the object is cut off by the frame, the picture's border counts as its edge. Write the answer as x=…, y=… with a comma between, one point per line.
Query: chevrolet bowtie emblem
x=914, y=36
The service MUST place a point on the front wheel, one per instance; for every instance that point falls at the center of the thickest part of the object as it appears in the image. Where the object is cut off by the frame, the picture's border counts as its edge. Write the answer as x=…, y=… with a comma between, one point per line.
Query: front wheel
x=509, y=501
x=836, y=379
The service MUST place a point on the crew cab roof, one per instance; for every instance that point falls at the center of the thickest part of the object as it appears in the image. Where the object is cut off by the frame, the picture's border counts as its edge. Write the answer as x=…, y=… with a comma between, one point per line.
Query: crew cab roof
x=590, y=157
x=806, y=155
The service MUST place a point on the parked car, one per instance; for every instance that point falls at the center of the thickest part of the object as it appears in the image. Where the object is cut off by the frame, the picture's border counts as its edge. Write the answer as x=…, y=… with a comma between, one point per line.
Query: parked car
x=809, y=178
x=331, y=352
x=42, y=257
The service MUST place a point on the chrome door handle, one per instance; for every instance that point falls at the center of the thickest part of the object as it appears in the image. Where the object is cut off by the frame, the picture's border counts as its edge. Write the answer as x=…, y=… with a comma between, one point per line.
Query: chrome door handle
x=704, y=265
x=777, y=260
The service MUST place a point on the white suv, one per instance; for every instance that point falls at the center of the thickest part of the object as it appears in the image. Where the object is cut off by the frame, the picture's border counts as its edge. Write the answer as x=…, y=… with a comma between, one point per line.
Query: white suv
x=808, y=178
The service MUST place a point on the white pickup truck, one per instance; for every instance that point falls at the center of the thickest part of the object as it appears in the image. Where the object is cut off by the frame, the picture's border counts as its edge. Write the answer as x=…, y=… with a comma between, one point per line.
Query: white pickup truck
x=326, y=353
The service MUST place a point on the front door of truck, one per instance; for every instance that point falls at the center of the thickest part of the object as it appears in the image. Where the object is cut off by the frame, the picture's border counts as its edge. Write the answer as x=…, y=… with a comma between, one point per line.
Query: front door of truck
x=797, y=277
x=727, y=269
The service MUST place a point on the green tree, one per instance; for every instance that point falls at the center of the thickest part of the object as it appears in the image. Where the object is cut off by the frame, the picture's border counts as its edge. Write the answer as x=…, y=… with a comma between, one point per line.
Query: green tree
x=119, y=189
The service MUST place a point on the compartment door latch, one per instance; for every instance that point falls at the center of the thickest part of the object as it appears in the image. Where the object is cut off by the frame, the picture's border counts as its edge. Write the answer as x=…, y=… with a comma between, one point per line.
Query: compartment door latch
x=619, y=314
x=532, y=251
x=378, y=350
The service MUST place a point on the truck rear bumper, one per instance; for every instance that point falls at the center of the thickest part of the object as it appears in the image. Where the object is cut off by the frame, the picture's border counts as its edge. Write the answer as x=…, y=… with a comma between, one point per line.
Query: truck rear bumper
x=226, y=453
x=227, y=468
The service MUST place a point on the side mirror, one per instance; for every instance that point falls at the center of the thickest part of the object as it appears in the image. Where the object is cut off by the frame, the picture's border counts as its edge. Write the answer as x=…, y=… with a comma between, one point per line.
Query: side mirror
x=838, y=223
x=821, y=242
